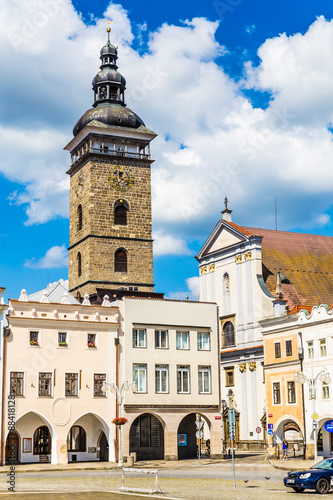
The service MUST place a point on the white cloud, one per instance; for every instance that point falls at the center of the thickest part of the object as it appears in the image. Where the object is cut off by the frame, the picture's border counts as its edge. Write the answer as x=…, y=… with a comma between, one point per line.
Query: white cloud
x=54, y=257
x=211, y=142
x=166, y=244
x=192, y=292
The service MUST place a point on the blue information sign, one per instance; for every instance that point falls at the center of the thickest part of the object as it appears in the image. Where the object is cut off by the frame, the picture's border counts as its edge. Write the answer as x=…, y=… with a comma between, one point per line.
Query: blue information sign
x=270, y=432
x=329, y=425
x=270, y=426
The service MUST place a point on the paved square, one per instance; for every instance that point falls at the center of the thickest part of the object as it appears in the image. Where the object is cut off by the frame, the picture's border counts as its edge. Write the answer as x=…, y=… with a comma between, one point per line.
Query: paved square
x=82, y=495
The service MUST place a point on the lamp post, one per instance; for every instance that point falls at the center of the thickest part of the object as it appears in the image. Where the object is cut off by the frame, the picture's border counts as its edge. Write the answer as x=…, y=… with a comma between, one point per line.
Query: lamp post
x=301, y=378
x=120, y=395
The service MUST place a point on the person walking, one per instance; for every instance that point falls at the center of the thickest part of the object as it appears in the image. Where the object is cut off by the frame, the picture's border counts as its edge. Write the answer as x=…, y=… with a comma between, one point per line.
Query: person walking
x=284, y=449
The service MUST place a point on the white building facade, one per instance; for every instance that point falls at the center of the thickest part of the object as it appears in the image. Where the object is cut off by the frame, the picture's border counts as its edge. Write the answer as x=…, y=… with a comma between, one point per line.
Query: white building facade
x=230, y=268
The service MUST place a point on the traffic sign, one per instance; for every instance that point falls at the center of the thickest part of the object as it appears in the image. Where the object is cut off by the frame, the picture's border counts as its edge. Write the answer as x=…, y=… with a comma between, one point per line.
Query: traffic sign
x=270, y=432
x=270, y=426
x=199, y=424
x=329, y=425
x=314, y=416
x=199, y=434
x=258, y=430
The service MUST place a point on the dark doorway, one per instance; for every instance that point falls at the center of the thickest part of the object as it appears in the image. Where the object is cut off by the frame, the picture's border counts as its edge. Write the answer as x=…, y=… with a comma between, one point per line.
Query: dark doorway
x=147, y=438
x=12, y=448
x=103, y=448
x=187, y=428
x=42, y=441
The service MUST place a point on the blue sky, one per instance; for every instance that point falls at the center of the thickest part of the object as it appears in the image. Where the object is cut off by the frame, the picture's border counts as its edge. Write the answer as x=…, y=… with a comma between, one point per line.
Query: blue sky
x=242, y=103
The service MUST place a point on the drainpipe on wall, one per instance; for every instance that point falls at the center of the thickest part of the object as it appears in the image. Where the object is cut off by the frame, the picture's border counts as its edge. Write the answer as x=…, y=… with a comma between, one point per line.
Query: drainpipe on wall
x=300, y=357
x=116, y=343
x=6, y=333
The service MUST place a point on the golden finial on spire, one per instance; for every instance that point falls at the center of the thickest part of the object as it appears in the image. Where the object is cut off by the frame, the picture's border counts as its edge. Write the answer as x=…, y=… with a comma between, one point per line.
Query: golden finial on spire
x=108, y=29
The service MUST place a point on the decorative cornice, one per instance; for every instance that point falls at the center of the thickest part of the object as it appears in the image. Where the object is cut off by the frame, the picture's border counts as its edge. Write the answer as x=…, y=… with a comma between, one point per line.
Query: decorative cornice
x=105, y=237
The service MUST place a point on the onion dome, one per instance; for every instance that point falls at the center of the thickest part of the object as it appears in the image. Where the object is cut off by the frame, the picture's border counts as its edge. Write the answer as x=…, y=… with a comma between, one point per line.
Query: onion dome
x=109, y=87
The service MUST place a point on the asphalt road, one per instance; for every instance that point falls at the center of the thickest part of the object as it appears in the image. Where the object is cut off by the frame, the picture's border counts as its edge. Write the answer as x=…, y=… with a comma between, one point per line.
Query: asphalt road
x=244, y=472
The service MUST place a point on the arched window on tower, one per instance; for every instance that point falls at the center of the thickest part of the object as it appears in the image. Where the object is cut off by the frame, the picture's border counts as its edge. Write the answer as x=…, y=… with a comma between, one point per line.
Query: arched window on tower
x=120, y=212
x=228, y=335
x=120, y=261
x=79, y=217
x=79, y=264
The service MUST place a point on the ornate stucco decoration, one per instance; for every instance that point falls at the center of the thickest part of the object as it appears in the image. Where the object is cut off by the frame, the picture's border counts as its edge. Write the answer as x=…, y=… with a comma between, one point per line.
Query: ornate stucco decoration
x=211, y=268
x=238, y=259
x=252, y=366
x=203, y=270
x=247, y=255
x=242, y=367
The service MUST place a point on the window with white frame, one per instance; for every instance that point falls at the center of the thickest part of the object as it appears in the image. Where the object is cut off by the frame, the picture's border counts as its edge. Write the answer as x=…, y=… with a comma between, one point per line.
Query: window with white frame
x=139, y=337
x=71, y=384
x=183, y=379
x=276, y=393
x=62, y=339
x=140, y=377
x=291, y=392
x=34, y=338
x=161, y=339
x=99, y=379
x=325, y=391
x=16, y=383
x=204, y=380
x=161, y=378
x=91, y=340
x=310, y=349
x=45, y=384
x=203, y=341
x=182, y=340
x=322, y=347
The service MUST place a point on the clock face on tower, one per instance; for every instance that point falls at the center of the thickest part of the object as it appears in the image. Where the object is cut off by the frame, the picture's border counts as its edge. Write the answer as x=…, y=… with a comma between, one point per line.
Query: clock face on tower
x=121, y=178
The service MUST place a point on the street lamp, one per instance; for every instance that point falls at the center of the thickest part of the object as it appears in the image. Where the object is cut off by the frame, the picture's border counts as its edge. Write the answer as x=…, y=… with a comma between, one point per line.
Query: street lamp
x=301, y=378
x=120, y=395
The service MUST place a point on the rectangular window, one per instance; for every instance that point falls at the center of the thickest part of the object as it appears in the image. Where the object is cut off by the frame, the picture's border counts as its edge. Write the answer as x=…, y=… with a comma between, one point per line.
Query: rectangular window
x=91, y=340
x=62, y=339
x=291, y=392
x=204, y=380
x=203, y=341
x=229, y=377
x=16, y=383
x=72, y=385
x=325, y=391
x=276, y=393
x=161, y=339
x=99, y=378
x=289, y=348
x=161, y=378
x=310, y=349
x=34, y=340
x=277, y=348
x=183, y=379
x=45, y=384
x=322, y=347
x=140, y=377
x=183, y=340
x=139, y=338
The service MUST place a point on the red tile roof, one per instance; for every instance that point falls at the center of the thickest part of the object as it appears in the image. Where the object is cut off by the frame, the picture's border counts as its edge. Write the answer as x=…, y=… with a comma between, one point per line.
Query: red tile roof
x=306, y=260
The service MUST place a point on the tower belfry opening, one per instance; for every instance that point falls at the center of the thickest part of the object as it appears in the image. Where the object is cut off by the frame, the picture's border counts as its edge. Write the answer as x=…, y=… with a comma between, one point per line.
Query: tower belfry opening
x=110, y=190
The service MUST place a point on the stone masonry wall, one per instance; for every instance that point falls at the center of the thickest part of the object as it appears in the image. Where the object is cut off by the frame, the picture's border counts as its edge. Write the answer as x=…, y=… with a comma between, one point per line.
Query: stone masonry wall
x=91, y=188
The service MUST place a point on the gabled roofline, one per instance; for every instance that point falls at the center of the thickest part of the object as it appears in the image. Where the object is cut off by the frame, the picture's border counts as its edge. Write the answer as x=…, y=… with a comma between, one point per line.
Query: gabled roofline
x=233, y=228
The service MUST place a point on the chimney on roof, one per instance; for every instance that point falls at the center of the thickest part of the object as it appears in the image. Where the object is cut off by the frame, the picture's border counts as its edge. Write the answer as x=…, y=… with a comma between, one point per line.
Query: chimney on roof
x=278, y=289
x=226, y=214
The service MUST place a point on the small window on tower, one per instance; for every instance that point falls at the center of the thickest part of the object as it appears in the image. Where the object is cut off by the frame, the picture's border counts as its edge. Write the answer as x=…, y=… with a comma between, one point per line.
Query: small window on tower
x=79, y=217
x=120, y=216
x=120, y=261
x=79, y=264
x=103, y=93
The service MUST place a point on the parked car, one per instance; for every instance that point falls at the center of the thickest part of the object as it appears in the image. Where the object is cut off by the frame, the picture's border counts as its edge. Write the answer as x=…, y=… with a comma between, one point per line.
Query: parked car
x=319, y=478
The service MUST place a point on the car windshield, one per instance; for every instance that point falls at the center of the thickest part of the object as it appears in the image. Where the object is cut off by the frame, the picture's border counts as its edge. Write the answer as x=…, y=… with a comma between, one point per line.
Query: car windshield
x=324, y=464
